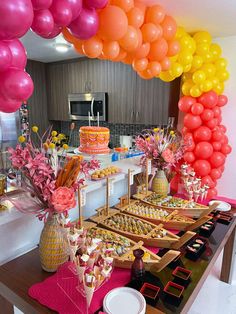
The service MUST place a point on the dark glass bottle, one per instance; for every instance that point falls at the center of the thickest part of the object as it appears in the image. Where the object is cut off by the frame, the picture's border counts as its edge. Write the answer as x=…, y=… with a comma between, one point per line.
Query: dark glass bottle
x=138, y=269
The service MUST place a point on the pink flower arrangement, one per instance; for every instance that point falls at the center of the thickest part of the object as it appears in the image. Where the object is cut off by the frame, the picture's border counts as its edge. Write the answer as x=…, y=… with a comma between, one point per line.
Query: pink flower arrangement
x=163, y=146
x=63, y=199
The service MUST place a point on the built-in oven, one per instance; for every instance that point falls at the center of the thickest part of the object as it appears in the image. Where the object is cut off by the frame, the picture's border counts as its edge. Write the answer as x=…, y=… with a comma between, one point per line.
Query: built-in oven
x=83, y=105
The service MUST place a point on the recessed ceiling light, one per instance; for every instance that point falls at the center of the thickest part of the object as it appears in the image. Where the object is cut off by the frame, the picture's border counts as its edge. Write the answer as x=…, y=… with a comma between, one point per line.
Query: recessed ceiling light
x=62, y=47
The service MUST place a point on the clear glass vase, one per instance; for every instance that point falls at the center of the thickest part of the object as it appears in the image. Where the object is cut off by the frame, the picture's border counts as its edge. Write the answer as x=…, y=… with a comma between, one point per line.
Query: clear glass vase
x=53, y=245
x=160, y=184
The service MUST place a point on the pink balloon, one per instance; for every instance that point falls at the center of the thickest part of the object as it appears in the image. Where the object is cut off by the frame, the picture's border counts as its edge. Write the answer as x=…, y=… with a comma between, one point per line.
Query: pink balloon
x=61, y=12
x=9, y=106
x=16, y=17
x=209, y=99
x=189, y=157
x=226, y=149
x=43, y=23
x=207, y=115
x=207, y=180
x=86, y=24
x=217, y=136
x=56, y=31
x=192, y=122
x=16, y=85
x=41, y=4
x=19, y=56
x=197, y=109
x=5, y=56
x=189, y=142
x=217, y=159
x=211, y=124
x=212, y=193
x=215, y=173
x=203, y=150
x=202, y=167
x=76, y=7
x=217, y=111
x=185, y=103
x=203, y=133
x=96, y=4
x=222, y=100
x=216, y=146
x=223, y=128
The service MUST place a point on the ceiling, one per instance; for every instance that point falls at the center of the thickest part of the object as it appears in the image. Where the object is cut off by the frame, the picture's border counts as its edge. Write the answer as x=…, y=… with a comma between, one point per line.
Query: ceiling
x=216, y=16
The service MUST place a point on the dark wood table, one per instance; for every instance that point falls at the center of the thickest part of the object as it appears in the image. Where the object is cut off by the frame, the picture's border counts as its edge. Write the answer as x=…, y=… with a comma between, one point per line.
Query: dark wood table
x=18, y=275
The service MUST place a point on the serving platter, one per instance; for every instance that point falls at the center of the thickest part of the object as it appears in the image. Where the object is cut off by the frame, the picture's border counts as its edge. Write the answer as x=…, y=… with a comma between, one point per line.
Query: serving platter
x=139, y=229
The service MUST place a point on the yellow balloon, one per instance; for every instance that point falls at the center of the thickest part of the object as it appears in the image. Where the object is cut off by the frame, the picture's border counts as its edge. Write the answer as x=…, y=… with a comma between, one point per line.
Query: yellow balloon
x=209, y=69
x=216, y=51
x=187, y=67
x=222, y=75
x=176, y=69
x=185, y=57
x=197, y=62
x=203, y=37
x=215, y=81
x=186, y=76
x=174, y=58
x=195, y=91
x=192, y=45
x=221, y=64
x=202, y=49
x=185, y=42
x=166, y=77
x=206, y=86
x=186, y=87
x=208, y=57
x=180, y=32
x=199, y=77
x=219, y=89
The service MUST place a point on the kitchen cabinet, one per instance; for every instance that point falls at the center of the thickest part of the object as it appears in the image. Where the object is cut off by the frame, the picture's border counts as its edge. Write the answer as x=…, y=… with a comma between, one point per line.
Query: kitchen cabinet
x=131, y=100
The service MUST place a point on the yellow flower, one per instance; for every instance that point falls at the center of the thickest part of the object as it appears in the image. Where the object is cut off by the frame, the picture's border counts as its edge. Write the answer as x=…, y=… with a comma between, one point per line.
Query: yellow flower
x=173, y=135
x=172, y=132
x=156, y=129
x=148, y=139
x=55, y=139
x=61, y=136
x=45, y=146
x=65, y=146
x=21, y=139
x=51, y=145
x=161, y=130
x=35, y=129
x=54, y=133
x=157, y=137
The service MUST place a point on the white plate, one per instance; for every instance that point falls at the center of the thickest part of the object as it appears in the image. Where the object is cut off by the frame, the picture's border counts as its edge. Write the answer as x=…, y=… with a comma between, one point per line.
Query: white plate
x=124, y=300
x=223, y=206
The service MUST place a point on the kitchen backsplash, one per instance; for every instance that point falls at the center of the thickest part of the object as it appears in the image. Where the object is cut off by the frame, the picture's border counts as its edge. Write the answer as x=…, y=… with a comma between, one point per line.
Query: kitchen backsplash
x=115, y=130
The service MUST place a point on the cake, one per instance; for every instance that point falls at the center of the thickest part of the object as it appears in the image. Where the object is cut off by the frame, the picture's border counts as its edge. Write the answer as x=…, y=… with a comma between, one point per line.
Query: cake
x=94, y=140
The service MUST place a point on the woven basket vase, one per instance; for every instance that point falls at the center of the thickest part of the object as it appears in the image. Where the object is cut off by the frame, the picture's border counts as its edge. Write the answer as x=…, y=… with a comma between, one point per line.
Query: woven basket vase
x=53, y=247
x=160, y=183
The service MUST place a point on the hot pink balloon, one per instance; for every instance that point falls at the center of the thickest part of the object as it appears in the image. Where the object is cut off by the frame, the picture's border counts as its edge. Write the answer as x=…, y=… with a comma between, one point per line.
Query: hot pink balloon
x=19, y=57
x=5, y=56
x=209, y=99
x=222, y=100
x=61, y=12
x=9, y=106
x=76, y=7
x=16, y=17
x=86, y=24
x=16, y=85
x=56, y=31
x=96, y=4
x=41, y=4
x=43, y=23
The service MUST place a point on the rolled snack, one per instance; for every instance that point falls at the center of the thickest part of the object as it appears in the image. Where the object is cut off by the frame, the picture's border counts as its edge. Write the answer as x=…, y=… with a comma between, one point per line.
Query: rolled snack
x=92, y=258
x=99, y=277
x=81, y=265
x=89, y=287
x=73, y=250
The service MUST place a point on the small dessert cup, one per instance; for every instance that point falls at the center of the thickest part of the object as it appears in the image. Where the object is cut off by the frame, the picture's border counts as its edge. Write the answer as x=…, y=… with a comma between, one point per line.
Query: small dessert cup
x=173, y=293
x=182, y=276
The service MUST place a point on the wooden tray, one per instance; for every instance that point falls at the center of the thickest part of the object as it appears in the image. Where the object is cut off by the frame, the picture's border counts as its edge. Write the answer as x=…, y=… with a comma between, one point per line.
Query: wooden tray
x=126, y=260
x=108, y=176
x=174, y=220
x=169, y=240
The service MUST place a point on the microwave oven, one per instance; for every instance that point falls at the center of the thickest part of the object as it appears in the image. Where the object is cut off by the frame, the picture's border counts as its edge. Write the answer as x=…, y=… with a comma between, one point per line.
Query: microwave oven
x=80, y=105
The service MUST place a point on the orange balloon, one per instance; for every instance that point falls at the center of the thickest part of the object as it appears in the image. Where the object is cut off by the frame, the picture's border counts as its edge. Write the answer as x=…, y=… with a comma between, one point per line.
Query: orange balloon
x=173, y=48
x=169, y=27
x=78, y=46
x=113, y=23
x=92, y=47
x=125, y=5
x=130, y=41
x=128, y=59
x=142, y=51
x=155, y=14
x=111, y=49
x=140, y=65
x=135, y=17
x=145, y=75
x=154, y=68
x=140, y=37
x=158, y=50
x=165, y=64
x=151, y=32
x=122, y=54
x=68, y=36
x=141, y=6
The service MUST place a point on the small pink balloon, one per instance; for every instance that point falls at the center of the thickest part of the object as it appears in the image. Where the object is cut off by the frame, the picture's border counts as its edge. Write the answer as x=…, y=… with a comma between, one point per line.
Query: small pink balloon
x=61, y=12
x=5, y=56
x=16, y=85
x=16, y=17
x=9, y=106
x=76, y=7
x=96, y=4
x=86, y=24
x=43, y=23
x=56, y=31
x=19, y=56
x=41, y=4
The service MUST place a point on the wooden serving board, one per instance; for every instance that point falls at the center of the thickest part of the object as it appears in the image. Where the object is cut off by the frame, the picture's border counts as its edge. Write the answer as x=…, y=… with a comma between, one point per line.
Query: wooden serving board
x=107, y=176
x=169, y=240
x=184, y=223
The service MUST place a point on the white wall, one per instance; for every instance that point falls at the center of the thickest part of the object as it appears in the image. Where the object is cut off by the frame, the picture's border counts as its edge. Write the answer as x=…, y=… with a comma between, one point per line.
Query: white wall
x=227, y=184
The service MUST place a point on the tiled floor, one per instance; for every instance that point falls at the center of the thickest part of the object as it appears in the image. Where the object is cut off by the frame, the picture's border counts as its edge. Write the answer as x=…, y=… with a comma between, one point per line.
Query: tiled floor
x=215, y=297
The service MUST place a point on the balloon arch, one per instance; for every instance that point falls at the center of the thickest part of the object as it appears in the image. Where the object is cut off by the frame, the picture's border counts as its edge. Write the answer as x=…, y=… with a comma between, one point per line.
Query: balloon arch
x=144, y=37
